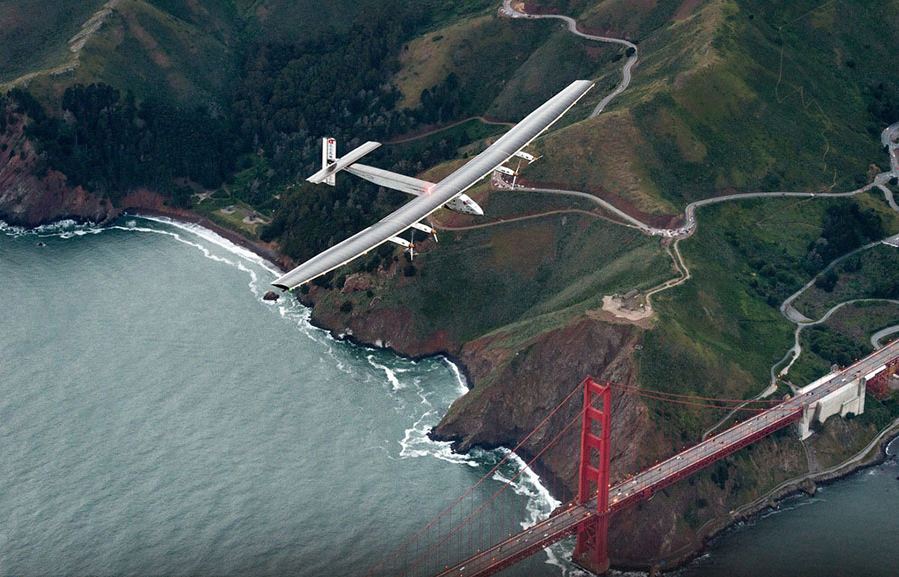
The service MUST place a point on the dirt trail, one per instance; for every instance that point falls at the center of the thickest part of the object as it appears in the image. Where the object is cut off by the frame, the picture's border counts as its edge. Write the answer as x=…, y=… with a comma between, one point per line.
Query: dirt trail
x=76, y=43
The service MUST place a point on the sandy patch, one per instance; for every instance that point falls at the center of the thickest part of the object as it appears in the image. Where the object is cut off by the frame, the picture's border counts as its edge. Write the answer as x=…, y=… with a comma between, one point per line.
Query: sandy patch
x=612, y=311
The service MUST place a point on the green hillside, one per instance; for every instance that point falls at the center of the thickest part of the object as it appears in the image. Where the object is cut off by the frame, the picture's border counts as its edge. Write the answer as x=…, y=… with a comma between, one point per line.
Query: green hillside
x=742, y=97
x=35, y=35
x=185, y=52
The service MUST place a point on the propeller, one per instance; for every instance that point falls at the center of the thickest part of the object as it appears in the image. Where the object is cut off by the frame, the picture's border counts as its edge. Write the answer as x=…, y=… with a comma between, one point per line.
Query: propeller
x=515, y=176
x=434, y=229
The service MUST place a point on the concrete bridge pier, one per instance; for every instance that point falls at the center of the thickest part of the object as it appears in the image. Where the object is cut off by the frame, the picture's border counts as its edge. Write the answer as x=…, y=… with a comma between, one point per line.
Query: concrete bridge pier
x=850, y=398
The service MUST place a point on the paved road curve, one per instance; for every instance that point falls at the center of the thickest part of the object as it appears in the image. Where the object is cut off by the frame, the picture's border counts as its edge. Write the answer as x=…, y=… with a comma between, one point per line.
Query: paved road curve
x=572, y=27
x=883, y=333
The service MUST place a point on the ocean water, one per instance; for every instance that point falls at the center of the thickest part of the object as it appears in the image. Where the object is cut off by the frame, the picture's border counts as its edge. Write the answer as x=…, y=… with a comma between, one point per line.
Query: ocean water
x=157, y=417
x=848, y=529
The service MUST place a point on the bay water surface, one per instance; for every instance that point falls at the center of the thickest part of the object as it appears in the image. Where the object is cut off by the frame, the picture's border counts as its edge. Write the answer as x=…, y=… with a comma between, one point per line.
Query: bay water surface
x=158, y=417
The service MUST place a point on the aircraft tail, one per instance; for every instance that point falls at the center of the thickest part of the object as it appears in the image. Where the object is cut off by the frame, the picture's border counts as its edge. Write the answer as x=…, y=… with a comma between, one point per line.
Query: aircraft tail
x=331, y=165
x=329, y=155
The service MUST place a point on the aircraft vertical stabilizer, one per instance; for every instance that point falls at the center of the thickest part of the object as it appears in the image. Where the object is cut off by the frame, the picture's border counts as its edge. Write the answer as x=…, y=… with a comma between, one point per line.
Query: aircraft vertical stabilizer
x=329, y=155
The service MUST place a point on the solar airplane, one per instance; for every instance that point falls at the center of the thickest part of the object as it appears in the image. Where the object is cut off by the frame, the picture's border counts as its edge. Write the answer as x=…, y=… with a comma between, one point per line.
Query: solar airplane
x=448, y=193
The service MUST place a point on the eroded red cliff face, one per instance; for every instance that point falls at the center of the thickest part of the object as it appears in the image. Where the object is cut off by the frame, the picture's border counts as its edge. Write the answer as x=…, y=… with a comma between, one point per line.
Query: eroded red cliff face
x=29, y=200
x=515, y=388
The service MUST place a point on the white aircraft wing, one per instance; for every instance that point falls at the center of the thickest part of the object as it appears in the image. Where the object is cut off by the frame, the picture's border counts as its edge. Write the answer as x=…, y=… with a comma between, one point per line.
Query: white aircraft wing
x=445, y=190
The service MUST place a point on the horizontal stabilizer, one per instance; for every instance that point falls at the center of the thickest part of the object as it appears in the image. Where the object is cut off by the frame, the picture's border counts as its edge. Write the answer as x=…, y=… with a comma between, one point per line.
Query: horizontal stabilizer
x=343, y=162
x=392, y=180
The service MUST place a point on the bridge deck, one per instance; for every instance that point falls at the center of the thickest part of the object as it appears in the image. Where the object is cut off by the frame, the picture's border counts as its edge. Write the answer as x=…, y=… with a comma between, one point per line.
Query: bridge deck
x=644, y=484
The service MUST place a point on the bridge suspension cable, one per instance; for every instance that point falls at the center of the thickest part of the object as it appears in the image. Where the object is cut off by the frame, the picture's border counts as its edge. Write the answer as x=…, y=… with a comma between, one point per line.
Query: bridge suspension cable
x=500, y=490
x=487, y=475
x=438, y=545
x=692, y=397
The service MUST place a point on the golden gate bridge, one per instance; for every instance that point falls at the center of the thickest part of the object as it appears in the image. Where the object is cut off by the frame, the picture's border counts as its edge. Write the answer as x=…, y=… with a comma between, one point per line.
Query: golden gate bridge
x=476, y=539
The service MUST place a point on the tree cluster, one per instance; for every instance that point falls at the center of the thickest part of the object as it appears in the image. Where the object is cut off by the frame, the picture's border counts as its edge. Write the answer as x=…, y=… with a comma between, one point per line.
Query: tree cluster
x=883, y=104
x=443, y=102
x=846, y=227
x=336, y=84
x=835, y=347
x=109, y=144
x=882, y=268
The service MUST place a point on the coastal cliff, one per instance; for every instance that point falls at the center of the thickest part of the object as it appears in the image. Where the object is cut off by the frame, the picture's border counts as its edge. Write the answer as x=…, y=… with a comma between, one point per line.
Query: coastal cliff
x=30, y=200
x=515, y=383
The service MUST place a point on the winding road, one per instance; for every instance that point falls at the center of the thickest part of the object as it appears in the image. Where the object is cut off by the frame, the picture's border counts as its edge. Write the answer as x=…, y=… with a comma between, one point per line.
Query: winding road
x=889, y=138
x=881, y=334
x=433, y=131
x=572, y=27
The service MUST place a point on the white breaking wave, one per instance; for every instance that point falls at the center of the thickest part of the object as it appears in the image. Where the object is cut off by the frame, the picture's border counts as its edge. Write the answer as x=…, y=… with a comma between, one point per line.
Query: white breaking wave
x=892, y=447
x=218, y=240
x=52, y=229
x=460, y=378
x=60, y=226
x=540, y=503
x=416, y=443
x=10, y=230
x=391, y=375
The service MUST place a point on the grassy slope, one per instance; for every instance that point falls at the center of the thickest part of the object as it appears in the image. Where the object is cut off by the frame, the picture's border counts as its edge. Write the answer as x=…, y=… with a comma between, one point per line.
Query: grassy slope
x=538, y=274
x=742, y=97
x=777, y=107
x=35, y=35
x=288, y=19
x=185, y=55
x=506, y=67
x=613, y=151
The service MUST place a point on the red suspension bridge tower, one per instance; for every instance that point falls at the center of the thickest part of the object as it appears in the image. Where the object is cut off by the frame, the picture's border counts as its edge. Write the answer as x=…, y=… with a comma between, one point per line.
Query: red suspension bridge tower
x=590, y=551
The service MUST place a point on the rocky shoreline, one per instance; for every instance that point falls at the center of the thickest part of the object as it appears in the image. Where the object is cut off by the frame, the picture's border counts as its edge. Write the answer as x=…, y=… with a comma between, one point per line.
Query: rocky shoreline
x=805, y=485
x=468, y=358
